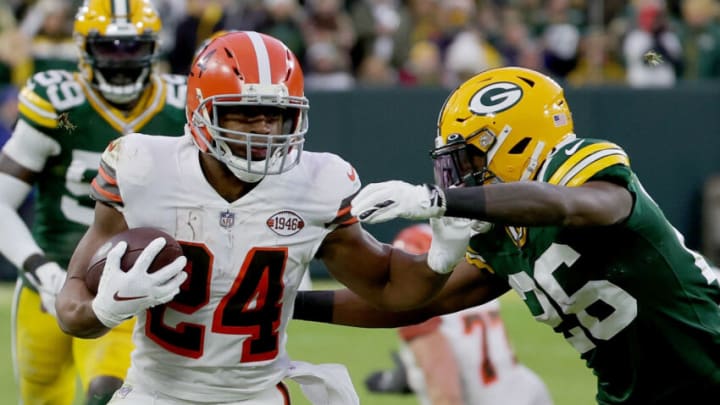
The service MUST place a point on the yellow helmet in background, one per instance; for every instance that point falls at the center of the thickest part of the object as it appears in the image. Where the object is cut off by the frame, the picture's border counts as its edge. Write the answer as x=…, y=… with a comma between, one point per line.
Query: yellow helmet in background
x=118, y=42
x=512, y=117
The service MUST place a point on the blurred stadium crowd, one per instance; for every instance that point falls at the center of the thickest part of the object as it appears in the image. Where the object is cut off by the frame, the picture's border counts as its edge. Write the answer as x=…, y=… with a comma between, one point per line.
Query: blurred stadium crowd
x=351, y=43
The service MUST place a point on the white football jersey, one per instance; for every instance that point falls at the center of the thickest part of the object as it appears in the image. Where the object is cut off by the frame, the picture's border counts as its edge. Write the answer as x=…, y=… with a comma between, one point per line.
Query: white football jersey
x=489, y=370
x=222, y=338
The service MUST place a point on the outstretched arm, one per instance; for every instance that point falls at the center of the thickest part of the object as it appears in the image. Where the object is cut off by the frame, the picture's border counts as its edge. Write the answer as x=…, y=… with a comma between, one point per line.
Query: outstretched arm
x=523, y=203
x=532, y=203
x=466, y=287
x=381, y=274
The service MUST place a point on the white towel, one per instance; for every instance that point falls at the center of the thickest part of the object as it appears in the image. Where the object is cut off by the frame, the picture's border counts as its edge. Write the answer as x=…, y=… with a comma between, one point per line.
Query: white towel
x=324, y=384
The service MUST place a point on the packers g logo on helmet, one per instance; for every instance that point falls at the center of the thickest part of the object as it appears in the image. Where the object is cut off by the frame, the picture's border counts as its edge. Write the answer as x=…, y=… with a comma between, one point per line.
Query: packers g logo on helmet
x=499, y=125
x=495, y=98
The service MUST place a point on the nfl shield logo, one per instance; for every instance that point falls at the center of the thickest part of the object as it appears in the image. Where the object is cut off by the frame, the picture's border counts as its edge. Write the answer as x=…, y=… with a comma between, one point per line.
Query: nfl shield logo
x=227, y=219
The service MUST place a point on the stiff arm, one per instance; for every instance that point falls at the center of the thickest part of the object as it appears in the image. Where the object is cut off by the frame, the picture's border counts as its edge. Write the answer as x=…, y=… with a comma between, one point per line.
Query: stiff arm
x=467, y=287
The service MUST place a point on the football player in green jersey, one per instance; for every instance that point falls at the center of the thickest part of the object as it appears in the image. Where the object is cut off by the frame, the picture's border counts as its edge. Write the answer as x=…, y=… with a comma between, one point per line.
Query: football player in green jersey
x=565, y=223
x=66, y=121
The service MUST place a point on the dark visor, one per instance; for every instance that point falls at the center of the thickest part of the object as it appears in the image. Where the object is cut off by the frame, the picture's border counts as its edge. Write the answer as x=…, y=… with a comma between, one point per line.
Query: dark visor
x=451, y=164
x=120, y=49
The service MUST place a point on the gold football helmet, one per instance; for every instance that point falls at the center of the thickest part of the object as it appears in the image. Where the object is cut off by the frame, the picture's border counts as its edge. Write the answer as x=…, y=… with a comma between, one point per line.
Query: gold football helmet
x=118, y=41
x=511, y=118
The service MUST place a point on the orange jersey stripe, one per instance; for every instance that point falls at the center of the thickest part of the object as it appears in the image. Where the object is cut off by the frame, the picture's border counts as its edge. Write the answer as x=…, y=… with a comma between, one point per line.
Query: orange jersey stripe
x=350, y=221
x=284, y=391
x=343, y=211
x=110, y=196
x=111, y=180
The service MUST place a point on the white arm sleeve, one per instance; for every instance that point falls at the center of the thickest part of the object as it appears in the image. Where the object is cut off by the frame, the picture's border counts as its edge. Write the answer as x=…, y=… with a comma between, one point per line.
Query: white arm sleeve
x=16, y=241
x=30, y=147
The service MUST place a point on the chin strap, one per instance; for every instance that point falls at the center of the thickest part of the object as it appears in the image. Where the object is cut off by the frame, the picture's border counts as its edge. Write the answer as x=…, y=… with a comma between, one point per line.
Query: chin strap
x=226, y=156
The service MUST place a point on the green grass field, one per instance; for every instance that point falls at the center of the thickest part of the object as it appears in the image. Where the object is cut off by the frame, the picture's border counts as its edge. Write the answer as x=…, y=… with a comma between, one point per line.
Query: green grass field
x=365, y=350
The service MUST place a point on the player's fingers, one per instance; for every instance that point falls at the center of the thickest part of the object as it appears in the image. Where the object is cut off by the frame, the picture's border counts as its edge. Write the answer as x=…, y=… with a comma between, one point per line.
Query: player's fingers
x=165, y=292
x=167, y=272
x=369, y=195
x=378, y=213
x=148, y=254
x=372, y=200
x=116, y=253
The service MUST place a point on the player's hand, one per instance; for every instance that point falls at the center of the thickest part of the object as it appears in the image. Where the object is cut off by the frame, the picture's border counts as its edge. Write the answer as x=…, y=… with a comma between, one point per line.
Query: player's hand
x=380, y=202
x=450, y=238
x=122, y=295
x=48, y=280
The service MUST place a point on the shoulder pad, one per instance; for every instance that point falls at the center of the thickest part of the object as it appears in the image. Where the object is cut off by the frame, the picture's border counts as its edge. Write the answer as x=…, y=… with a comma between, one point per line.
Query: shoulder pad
x=175, y=87
x=104, y=187
x=336, y=179
x=578, y=161
x=47, y=95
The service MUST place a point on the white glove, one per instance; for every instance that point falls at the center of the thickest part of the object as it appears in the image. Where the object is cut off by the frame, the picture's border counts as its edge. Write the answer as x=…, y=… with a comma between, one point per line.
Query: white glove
x=48, y=280
x=380, y=202
x=122, y=295
x=480, y=227
x=450, y=238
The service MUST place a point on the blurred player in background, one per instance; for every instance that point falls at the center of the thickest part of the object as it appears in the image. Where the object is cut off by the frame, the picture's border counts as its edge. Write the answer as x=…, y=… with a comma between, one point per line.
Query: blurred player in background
x=251, y=210
x=463, y=358
x=66, y=121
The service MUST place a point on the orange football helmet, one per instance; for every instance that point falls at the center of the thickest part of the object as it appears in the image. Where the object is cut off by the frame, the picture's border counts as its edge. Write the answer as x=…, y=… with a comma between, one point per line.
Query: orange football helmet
x=246, y=68
x=513, y=117
x=414, y=239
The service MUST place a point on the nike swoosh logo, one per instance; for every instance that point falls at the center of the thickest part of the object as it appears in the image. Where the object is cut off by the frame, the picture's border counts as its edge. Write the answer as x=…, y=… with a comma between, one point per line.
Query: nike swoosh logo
x=573, y=149
x=351, y=174
x=118, y=297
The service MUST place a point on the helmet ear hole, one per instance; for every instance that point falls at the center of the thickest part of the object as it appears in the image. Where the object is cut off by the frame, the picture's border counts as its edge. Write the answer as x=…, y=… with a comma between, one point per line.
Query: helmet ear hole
x=519, y=147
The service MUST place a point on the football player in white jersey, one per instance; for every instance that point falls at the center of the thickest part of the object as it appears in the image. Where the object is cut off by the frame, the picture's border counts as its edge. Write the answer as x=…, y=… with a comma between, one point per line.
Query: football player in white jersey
x=462, y=358
x=251, y=209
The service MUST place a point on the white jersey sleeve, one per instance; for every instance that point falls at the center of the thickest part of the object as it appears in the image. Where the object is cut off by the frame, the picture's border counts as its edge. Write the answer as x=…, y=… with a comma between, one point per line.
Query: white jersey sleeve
x=30, y=147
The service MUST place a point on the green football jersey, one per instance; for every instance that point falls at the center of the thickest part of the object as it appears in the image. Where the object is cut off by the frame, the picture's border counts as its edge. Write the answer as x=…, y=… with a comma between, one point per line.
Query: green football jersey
x=62, y=105
x=640, y=308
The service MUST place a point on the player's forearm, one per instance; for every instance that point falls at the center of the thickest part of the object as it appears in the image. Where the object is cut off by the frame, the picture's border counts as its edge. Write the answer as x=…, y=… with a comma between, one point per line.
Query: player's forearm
x=16, y=241
x=406, y=282
x=520, y=203
x=411, y=283
x=531, y=203
x=343, y=307
x=75, y=314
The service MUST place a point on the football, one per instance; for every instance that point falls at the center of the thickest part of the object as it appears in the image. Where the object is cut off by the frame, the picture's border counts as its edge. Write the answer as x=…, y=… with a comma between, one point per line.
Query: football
x=137, y=239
